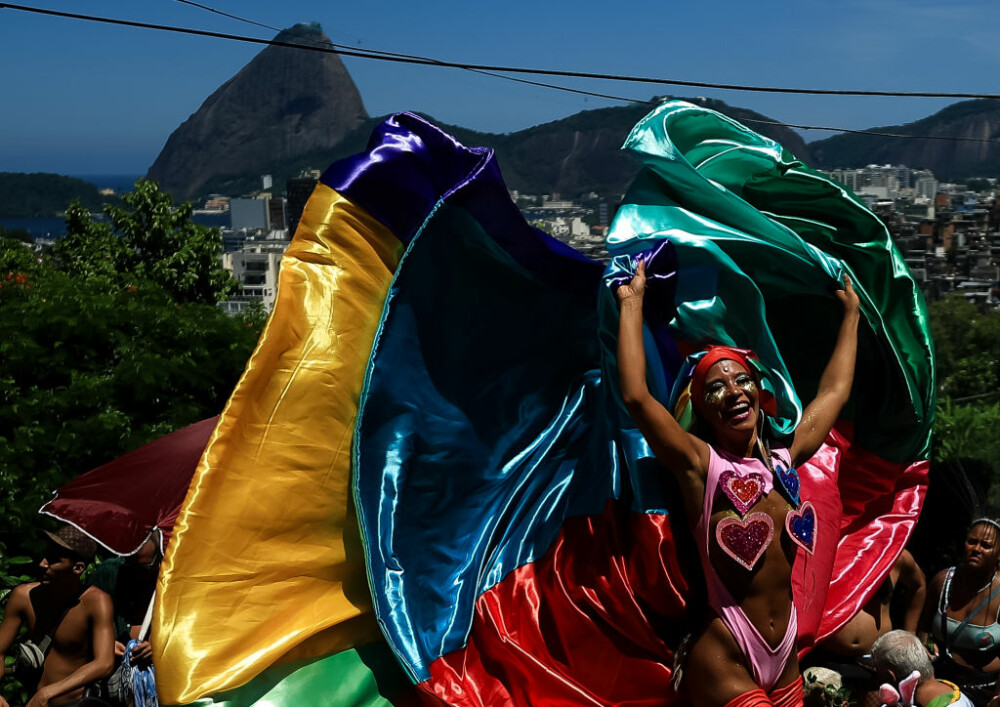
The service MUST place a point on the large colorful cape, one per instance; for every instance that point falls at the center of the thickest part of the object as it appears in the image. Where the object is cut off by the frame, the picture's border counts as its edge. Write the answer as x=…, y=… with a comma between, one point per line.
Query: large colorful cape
x=426, y=476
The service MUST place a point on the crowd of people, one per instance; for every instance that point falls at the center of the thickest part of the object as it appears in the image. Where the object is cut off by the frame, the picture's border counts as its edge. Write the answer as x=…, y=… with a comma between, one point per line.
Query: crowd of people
x=742, y=495
x=948, y=636
x=75, y=641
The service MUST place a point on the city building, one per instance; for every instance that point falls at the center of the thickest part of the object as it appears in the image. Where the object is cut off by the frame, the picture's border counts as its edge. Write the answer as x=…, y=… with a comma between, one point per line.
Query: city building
x=255, y=266
x=297, y=193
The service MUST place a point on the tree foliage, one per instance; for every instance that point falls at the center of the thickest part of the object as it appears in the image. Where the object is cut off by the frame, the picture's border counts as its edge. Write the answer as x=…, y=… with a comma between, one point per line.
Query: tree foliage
x=965, y=463
x=110, y=340
x=29, y=195
x=967, y=347
x=146, y=238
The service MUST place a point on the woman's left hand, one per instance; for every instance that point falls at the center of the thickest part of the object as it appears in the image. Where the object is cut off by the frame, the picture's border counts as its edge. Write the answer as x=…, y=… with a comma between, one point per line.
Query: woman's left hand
x=636, y=287
x=848, y=297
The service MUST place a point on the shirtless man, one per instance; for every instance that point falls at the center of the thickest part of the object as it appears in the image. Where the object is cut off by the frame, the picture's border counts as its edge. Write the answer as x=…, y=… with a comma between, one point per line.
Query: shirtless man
x=78, y=618
x=841, y=650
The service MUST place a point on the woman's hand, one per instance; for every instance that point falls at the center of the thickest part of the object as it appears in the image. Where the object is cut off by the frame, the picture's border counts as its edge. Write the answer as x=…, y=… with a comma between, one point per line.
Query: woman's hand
x=636, y=286
x=848, y=297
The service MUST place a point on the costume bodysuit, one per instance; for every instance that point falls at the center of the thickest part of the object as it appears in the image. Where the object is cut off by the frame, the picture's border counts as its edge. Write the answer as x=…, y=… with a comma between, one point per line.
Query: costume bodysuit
x=765, y=663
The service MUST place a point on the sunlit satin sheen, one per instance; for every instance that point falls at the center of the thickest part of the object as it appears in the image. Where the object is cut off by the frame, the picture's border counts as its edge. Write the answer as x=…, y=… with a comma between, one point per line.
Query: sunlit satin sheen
x=260, y=542
x=753, y=227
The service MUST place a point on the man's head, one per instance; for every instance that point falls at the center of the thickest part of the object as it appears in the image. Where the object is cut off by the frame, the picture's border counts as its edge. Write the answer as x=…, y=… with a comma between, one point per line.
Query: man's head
x=147, y=557
x=66, y=556
x=897, y=654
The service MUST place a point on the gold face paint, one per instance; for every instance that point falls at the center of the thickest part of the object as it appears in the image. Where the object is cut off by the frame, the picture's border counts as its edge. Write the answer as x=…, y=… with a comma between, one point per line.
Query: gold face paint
x=715, y=391
x=745, y=381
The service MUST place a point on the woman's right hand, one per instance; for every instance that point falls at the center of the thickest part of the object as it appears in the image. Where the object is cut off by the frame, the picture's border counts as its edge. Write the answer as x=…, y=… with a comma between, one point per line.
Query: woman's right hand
x=636, y=287
x=848, y=297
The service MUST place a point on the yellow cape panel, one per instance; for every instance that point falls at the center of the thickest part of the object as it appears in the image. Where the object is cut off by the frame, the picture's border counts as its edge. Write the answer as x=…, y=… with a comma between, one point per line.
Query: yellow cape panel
x=266, y=562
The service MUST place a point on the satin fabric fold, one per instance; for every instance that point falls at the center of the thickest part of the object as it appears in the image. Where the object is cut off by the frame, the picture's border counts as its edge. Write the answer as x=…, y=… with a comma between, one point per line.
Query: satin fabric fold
x=761, y=243
x=491, y=425
x=265, y=564
x=453, y=371
x=755, y=229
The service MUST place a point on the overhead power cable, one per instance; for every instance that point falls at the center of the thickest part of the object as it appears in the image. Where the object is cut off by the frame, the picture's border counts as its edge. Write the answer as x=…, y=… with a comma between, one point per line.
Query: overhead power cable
x=592, y=93
x=492, y=70
x=423, y=59
x=386, y=56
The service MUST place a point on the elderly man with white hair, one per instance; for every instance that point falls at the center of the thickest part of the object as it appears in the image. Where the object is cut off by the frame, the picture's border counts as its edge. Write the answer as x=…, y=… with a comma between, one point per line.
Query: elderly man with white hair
x=900, y=658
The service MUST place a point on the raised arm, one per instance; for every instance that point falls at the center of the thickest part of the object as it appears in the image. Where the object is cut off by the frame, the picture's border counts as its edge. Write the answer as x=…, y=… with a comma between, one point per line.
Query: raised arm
x=834, y=385
x=683, y=454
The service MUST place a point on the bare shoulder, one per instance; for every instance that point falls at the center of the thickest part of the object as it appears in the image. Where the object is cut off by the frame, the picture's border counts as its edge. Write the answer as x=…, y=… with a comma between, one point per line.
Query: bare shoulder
x=20, y=596
x=96, y=600
x=937, y=582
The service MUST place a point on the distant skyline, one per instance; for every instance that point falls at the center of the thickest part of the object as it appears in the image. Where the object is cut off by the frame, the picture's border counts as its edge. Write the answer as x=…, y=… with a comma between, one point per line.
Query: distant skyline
x=86, y=98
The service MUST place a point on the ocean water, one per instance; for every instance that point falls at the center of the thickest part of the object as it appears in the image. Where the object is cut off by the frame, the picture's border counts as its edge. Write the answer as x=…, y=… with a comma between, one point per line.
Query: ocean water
x=118, y=182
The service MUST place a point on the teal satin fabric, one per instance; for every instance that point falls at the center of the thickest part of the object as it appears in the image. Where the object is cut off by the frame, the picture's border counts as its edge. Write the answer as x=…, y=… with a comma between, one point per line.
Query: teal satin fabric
x=762, y=243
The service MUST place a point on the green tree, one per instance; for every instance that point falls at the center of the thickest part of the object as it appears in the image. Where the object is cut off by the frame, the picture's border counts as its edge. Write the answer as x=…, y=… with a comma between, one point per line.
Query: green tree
x=967, y=347
x=110, y=340
x=146, y=238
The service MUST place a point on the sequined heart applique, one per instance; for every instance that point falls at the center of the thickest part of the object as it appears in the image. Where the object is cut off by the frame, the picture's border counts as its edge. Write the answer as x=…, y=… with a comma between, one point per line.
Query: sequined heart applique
x=789, y=479
x=743, y=491
x=801, y=526
x=745, y=539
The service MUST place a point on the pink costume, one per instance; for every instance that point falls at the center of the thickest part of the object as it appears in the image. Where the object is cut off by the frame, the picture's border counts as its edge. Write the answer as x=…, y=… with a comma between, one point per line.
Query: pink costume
x=765, y=663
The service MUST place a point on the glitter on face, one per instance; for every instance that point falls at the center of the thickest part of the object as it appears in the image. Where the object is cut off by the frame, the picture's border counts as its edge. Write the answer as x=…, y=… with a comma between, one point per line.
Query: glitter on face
x=716, y=389
x=747, y=384
x=745, y=540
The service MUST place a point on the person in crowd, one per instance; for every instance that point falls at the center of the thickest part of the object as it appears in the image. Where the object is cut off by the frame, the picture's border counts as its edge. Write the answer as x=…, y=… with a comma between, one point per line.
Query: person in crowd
x=742, y=497
x=69, y=624
x=131, y=582
x=900, y=658
x=847, y=650
x=962, y=615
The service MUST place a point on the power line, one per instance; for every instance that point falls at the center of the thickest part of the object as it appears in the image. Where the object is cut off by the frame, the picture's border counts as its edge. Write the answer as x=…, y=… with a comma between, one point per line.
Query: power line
x=423, y=59
x=492, y=70
x=226, y=14
x=387, y=56
x=605, y=95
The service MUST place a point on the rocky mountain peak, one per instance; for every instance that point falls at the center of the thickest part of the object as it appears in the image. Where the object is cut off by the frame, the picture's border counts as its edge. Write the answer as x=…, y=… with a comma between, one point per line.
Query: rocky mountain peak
x=285, y=103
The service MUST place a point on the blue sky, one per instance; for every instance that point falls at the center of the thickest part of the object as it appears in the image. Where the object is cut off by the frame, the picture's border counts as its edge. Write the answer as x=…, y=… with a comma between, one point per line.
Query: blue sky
x=84, y=98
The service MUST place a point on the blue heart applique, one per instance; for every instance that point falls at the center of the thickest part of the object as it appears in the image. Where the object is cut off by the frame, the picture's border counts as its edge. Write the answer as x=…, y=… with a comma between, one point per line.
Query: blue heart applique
x=789, y=479
x=801, y=526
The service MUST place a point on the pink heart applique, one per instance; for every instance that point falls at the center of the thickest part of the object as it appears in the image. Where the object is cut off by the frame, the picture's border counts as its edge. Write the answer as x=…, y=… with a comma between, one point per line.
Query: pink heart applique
x=745, y=539
x=743, y=491
x=801, y=526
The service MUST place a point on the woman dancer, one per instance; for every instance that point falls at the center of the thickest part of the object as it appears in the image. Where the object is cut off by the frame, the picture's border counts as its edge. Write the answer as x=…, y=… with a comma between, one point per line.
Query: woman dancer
x=963, y=615
x=739, y=495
